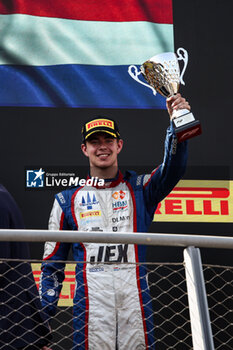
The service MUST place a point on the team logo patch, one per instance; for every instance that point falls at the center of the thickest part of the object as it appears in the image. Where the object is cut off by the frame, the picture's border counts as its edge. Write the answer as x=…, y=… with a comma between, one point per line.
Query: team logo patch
x=88, y=202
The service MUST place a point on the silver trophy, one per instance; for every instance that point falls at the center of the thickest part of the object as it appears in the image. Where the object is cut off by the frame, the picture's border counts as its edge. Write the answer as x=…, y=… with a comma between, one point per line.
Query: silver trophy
x=162, y=72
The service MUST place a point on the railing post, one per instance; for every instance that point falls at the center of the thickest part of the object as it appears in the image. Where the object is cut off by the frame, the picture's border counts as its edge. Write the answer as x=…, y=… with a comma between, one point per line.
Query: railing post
x=198, y=305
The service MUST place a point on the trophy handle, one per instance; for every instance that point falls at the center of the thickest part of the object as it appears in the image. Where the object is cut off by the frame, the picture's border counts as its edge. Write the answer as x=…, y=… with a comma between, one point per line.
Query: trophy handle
x=182, y=54
x=135, y=75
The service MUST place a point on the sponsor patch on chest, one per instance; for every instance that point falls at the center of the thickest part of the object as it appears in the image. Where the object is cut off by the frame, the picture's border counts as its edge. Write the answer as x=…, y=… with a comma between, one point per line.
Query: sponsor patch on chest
x=111, y=253
x=120, y=205
x=92, y=213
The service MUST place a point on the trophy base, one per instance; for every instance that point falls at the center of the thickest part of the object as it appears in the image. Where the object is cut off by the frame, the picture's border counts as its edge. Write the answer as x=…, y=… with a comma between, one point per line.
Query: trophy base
x=188, y=131
x=185, y=125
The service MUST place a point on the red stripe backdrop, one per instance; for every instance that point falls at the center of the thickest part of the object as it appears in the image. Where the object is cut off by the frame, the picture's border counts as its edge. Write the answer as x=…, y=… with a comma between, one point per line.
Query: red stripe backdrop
x=157, y=11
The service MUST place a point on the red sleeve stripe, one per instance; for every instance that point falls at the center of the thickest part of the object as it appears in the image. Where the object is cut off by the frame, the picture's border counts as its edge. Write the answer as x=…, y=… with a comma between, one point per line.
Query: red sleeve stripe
x=148, y=181
x=54, y=251
x=62, y=221
x=137, y=266
x=156, y=11
x=72, y=206
x=140, y=296
x=86, y=295
x=134, y=206
x=58, y=243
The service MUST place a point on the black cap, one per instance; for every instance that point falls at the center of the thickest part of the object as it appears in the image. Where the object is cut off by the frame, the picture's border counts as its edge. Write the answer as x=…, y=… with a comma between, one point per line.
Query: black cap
x=100, y=124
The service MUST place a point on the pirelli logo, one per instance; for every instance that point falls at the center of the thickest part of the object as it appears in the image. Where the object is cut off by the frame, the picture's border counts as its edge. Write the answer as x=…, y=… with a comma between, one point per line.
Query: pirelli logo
x=91, y=213
x=100, y=122
x=198, y=201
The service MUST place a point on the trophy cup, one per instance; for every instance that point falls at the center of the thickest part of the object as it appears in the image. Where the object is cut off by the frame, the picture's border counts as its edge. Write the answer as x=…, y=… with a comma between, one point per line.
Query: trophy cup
x=162, y=72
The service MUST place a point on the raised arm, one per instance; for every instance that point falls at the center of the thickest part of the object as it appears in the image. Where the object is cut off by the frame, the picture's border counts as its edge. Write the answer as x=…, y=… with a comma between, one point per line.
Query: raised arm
x=163, y=179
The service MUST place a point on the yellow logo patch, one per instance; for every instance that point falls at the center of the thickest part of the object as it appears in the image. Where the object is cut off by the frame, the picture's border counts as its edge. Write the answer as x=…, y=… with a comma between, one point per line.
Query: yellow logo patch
x=100, y=122
x=91, y=213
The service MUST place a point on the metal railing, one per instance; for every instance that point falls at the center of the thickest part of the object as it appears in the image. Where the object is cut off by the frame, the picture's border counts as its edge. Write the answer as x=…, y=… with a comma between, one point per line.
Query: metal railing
x=193, y=307
x=159, y=239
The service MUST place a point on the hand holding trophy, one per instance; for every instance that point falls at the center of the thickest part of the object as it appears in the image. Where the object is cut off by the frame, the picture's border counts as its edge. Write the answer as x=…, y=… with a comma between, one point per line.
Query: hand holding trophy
x=162, y=72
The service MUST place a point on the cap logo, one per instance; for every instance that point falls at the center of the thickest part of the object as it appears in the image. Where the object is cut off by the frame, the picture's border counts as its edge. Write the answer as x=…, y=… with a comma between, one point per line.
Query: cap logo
x=99, y=122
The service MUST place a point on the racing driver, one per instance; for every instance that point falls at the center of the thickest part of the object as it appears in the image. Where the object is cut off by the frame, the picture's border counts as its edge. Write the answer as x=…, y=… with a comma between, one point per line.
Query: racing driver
x=112, y=304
